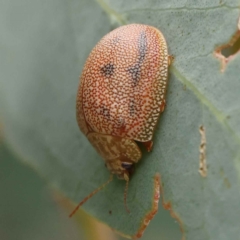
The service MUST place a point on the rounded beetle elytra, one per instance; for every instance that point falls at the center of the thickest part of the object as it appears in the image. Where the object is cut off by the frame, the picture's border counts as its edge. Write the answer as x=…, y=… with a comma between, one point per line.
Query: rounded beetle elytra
x=121, y=95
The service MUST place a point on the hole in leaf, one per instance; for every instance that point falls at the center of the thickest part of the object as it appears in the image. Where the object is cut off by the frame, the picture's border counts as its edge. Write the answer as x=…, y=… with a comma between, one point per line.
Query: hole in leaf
x=231, y=50
x=228, y=51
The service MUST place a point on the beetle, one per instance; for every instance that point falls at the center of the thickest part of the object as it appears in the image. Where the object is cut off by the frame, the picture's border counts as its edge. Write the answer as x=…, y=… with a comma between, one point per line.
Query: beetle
x=121, y=96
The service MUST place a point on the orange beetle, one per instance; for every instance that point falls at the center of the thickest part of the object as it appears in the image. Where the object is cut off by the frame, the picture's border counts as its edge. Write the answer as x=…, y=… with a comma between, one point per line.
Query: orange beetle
x=121, y=95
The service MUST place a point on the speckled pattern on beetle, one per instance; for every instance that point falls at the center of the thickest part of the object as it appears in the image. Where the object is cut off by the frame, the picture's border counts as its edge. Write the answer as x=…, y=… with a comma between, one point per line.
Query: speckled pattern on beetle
x=122, y=93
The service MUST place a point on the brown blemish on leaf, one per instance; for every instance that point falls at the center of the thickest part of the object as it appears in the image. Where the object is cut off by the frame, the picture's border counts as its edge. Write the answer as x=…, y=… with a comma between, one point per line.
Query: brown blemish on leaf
x=227, y=183
x=202, y=150
x=168, y=206
x=149, y=216
x=227, y=52
x=225, y=179
x=221, y=172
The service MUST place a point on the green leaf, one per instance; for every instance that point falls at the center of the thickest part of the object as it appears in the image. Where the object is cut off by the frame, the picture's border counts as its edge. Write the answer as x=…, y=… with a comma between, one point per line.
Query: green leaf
x=44, y=45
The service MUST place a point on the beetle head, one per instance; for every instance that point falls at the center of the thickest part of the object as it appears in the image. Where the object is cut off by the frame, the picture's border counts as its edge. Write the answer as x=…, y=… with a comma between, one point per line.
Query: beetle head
x=123, y=169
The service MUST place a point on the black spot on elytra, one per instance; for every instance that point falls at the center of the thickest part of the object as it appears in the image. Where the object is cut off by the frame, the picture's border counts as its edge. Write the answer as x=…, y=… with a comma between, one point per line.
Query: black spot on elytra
x=107, y=70
x=135, y=70
x=105, y=112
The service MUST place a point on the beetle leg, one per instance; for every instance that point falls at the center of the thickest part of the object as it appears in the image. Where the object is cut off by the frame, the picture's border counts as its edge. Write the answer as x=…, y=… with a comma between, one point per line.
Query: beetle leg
x=91, y=194
x=162, y=106
x=148, y=145
x=170, y=59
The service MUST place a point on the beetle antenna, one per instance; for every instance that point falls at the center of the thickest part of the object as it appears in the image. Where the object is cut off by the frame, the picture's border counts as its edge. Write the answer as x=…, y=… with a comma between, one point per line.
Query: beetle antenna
x=125, y=196
x=91, y=194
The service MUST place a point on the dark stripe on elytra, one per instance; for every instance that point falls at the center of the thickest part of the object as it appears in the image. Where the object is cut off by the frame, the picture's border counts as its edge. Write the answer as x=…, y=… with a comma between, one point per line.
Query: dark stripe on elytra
x=131, y=107
x=142, y=46
x=135, y=70
x=108, y=70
